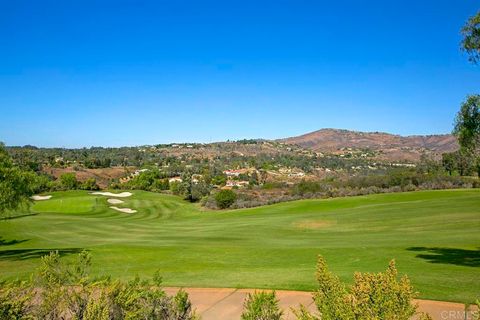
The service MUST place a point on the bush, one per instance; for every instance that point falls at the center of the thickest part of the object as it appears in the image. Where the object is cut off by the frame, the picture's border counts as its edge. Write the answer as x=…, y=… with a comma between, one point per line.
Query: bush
x=90, y=184
x=63, y=291
x=372, y=296
x=14, y=300
x=68, y=181
x=261, y=306
x=305, y=187
x=225, y=198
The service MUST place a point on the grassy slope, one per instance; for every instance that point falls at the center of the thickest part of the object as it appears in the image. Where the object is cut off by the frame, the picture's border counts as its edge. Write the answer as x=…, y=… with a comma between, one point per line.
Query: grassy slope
x=433, y=236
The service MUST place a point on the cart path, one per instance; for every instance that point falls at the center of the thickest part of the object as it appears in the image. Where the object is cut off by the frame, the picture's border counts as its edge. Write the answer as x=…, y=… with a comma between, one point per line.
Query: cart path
x=227, y=303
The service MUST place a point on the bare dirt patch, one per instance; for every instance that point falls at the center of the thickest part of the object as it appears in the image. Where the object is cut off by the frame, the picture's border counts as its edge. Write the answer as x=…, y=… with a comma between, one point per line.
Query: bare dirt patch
x=314, y=224
x=102, y=175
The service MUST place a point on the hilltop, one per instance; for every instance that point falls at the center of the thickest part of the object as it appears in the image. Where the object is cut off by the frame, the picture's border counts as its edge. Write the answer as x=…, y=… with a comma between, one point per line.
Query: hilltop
x=389, y=146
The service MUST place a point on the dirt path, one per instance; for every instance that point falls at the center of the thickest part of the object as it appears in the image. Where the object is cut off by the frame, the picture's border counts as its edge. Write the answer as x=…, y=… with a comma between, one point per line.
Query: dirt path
x=227, y=303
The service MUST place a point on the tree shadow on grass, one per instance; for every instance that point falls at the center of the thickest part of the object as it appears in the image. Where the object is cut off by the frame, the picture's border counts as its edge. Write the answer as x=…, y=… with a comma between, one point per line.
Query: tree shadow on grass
x=18, y=216
x=4, y=242
x=459, y=257
x=25, y=254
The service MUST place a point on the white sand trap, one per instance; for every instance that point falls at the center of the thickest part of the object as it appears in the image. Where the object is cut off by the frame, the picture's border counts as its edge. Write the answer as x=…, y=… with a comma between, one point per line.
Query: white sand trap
x=109, y=194
x=39, y=198
x=114, y=201
x=124, y=210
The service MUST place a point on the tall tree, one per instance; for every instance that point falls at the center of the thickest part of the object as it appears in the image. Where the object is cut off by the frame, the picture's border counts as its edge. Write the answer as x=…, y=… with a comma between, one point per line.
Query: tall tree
x=467, y=124
x=471, y=38
x=16, y=186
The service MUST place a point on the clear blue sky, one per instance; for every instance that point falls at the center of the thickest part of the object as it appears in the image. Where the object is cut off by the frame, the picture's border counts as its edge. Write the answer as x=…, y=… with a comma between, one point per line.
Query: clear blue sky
x=111, y=73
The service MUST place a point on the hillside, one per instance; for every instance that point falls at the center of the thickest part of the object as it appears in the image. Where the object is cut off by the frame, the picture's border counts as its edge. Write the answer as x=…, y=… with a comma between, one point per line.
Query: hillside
x=390, y=146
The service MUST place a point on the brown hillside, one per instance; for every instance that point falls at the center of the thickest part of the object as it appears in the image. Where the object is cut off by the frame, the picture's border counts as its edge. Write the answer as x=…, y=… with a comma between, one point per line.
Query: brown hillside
x=102, y=175
x=391, y=147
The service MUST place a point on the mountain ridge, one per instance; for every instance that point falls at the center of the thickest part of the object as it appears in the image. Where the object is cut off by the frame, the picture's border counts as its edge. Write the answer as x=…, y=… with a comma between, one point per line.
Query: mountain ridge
x=391, y=146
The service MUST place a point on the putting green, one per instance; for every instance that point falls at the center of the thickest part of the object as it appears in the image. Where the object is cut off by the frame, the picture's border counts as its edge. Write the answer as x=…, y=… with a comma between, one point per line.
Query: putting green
x=433, y=235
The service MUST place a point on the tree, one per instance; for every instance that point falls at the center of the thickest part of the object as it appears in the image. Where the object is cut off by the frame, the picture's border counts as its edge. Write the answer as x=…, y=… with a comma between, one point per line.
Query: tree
x=449, y=162
x=467, y=123
x=199, y=190
x=15, y=184
x=68, y=181
x=471, y=38
x=225, y=198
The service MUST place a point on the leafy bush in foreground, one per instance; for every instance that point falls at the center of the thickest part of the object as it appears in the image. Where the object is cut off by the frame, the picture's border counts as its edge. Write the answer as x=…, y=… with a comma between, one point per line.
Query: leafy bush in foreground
x=63, y=291
x=261, y=306
x=372, y=296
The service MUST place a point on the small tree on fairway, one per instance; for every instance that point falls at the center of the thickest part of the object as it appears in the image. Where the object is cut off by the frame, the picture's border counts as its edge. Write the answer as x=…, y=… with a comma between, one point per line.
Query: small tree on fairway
x=225, y=198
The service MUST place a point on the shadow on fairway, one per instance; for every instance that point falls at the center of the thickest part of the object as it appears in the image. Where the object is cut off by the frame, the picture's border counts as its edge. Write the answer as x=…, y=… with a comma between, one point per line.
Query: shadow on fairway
x=19, y=216
x=460, y=257
x=25, y=254
x=4, y=242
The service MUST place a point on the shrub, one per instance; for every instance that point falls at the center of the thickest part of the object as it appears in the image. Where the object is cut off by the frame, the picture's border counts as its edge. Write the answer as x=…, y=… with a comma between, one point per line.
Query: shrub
x=90, y=184
x=372, y=296
x=225, y=198
x=64, y=291
x=14, y=300
x=68, y=181
x=305, y=187
x=261, y=306
x=198, y=191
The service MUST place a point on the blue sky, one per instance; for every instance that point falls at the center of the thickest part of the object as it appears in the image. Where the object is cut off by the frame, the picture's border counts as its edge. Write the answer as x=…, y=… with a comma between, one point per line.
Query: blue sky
x=111, y=73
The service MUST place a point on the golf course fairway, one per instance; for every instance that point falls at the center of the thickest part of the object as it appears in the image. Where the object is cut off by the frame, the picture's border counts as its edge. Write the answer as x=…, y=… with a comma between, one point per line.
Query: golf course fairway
x=433, y=236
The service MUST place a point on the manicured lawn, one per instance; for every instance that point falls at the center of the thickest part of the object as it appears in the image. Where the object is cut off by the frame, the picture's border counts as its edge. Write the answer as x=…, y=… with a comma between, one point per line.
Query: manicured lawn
x=434, y=237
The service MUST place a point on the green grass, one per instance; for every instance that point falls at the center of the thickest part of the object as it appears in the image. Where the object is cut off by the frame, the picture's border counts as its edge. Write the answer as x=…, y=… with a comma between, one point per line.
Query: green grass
x=433, y=235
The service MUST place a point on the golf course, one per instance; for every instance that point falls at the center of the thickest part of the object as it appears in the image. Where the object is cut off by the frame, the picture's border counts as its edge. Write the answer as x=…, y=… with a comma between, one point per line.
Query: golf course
x=433, y=235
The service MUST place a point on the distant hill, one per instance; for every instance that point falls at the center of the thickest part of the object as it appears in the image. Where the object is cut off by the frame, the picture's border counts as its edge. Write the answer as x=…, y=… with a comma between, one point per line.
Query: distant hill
x=389, y=146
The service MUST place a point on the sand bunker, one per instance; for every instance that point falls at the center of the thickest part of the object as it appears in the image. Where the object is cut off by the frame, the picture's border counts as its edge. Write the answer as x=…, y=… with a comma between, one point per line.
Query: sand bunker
x=109, y=194
x=124, y=210
x=114, y=201
x=38, y=198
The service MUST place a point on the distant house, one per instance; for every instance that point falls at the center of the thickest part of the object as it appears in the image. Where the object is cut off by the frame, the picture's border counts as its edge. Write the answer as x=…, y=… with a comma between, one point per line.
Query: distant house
x=296, y=174
x=239, y=184
x=132, y=175
x=137, y=172
x=175, y=179
x=235, y=173
x=196, y=178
